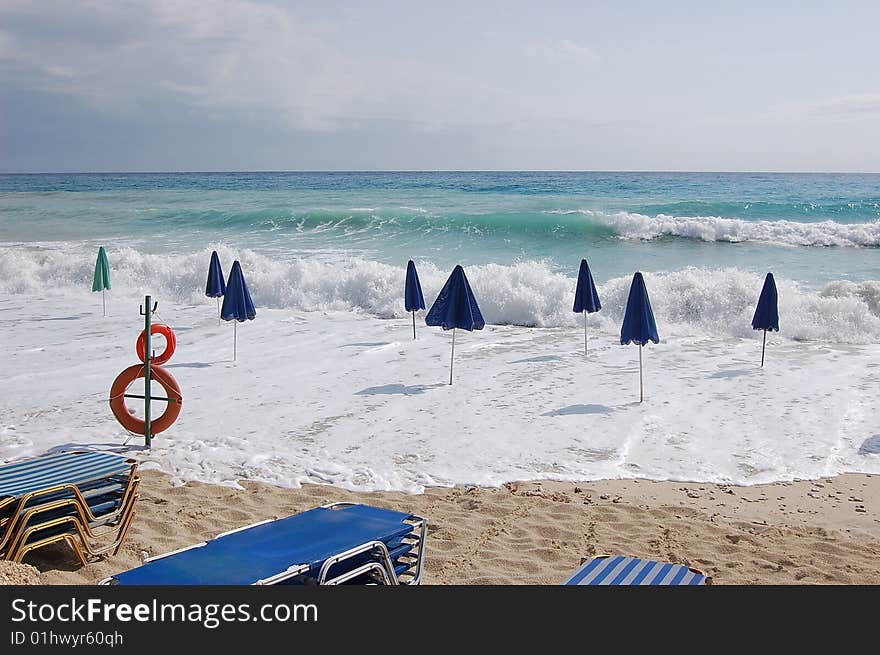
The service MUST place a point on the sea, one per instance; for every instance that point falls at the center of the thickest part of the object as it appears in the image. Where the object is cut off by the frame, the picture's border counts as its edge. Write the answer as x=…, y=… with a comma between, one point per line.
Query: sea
x=328, y=385
x=339, y=240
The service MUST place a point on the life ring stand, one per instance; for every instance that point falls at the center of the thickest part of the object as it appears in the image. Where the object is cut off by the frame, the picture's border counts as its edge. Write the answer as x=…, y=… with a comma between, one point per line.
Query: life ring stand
x=170, y=343
x=132, y=423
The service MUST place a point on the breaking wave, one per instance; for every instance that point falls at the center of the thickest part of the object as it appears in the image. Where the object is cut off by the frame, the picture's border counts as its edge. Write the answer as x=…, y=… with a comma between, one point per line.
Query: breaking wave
x=699, y=301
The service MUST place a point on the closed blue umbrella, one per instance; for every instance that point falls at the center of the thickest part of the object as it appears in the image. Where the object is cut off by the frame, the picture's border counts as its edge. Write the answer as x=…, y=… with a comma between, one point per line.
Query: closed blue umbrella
x=586, y=299
x=215, y=286
x=237, y=303
x=412, y=295
x=766, y=313
x=638, y=322
x=456, y=307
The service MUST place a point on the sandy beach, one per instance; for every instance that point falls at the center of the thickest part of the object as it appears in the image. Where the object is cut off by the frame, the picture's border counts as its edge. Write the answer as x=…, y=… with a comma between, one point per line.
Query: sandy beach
x=807, y=532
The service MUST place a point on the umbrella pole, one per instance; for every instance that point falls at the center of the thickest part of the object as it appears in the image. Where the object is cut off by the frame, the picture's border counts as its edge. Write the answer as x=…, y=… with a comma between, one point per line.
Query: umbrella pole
x=452, y=357
x=103, y=302
x=414, y=324
x=641, y=386
x=234, y=337
x=585, y=333
x=763, y=346
x=218, y=310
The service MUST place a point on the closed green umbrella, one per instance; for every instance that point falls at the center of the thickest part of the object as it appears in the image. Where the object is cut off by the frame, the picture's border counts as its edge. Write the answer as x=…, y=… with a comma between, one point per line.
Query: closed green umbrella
x=101, y=281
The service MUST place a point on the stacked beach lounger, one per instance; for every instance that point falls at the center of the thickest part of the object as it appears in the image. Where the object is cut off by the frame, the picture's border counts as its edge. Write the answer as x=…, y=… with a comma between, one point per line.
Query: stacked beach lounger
x=342, y=543
x=85, y=499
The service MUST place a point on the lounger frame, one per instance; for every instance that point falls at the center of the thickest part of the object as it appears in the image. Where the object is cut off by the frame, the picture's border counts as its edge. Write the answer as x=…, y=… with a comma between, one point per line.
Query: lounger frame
x=22, y=502
x=381, y=552
x=81, y=526
x=119, y=520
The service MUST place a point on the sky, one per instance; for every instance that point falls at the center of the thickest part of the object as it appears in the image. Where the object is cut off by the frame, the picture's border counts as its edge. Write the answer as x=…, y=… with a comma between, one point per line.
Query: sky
x=213, y=85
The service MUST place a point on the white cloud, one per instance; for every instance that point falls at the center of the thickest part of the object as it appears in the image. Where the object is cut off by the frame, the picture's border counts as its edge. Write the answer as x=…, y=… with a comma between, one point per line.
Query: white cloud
x=571, y=49
x=232, y=55
x=244, y=58
x=846, y=106
x=563, y=50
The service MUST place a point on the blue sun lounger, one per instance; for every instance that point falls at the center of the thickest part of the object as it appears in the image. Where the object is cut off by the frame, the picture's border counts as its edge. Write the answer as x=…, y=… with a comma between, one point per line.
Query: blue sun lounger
x=334, y=544
x=621, y=570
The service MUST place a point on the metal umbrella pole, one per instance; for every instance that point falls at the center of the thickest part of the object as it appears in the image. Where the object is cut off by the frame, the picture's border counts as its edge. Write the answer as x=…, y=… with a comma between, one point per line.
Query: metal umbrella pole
x=147, y=311
x=763, y=346
x=585, y=333
x=452, y=356
x=641, y=387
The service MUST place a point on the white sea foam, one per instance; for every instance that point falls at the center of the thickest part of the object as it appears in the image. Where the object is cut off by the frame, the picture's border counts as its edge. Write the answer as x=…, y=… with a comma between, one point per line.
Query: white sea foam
x=694, y=301
x=342, y=398
x=631, y=225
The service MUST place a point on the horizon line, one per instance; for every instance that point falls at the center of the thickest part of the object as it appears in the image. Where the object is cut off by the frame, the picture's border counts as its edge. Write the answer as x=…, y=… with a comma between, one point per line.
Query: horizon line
x=441, y=170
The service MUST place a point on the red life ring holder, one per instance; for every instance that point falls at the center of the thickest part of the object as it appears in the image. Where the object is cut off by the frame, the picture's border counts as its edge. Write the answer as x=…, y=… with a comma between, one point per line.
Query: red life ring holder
x=133, y=423
x=170, y=343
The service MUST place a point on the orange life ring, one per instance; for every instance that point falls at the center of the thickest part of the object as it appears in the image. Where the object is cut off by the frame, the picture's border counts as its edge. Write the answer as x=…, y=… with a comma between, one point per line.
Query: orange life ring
x=133, y=423
x=170, y=343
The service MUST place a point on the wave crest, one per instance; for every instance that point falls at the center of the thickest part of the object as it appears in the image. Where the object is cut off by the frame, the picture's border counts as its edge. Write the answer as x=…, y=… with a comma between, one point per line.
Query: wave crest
x=630, y=225
x=693, y=301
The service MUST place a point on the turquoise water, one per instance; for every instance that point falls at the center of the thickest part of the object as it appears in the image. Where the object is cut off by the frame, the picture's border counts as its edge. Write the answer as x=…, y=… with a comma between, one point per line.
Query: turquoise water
x=812, y=228
x=321, y=252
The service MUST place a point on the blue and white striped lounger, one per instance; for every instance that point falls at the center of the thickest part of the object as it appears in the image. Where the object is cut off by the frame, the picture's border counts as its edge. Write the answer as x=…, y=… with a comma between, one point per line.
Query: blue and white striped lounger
x=20, y=478
x=622, y=570
x=334, y=544
x=54, y=497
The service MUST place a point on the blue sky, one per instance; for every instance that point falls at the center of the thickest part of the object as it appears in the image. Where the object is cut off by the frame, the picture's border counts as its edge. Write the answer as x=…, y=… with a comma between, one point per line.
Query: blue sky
x=137, y=85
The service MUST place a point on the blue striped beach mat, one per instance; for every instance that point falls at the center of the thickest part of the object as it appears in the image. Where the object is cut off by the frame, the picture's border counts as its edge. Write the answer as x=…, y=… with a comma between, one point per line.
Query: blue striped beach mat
x=40, y=473
x=622, y=570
